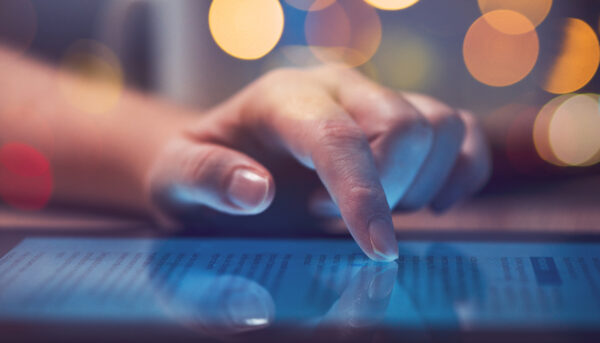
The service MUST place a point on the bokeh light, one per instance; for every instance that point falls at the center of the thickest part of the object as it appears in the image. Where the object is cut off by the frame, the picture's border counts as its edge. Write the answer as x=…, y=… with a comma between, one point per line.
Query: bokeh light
x=534, y=10
x=578, y=60
x=574, y=130
x=310, y=5
x=347, y=32
x=406, y=60
x=497, y=58
x=18, y=23
x=391, y=5
x=541, y=130
x=246, y=29
x=25, y=177
x=91, y=78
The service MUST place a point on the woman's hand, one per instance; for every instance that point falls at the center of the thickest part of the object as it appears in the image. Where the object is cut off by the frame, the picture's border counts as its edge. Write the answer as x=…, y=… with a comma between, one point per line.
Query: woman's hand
x=372, y=148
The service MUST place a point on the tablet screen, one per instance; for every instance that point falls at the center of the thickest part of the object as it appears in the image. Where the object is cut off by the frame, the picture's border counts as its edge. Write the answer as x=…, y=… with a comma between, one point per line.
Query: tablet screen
x=226, y=284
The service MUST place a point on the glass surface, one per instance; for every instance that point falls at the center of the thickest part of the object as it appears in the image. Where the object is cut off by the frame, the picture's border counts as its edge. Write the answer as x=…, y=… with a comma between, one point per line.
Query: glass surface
x=222, y=286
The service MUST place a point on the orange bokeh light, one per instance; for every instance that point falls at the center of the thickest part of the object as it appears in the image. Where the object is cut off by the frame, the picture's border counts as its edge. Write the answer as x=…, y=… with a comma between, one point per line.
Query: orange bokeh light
x=578, y=60
x=534, y=10
x=391, y=5
x=310, y=5
x=246, y=29
x=347, y=32
x=497, y=58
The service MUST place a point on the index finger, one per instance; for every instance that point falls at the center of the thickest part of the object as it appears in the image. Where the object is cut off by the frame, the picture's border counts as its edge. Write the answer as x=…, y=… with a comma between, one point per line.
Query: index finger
x=344, y=162
x=321, y=135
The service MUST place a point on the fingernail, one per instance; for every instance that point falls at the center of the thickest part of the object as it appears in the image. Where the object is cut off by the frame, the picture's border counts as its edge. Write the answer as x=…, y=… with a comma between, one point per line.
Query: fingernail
x=248, y=310
x=382, y=284
x=383, y=239
x=247, y=189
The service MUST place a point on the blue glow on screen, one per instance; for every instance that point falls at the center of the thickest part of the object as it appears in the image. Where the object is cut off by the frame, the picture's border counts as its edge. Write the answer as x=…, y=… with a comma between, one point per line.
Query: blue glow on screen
x=228, y=283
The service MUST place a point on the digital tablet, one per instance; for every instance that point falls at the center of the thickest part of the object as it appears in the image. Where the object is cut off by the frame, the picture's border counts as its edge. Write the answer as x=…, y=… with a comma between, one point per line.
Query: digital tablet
x=199, y=289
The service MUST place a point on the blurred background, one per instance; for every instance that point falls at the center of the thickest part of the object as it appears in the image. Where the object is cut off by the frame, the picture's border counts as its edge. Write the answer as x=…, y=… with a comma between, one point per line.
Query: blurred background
x=527, y=68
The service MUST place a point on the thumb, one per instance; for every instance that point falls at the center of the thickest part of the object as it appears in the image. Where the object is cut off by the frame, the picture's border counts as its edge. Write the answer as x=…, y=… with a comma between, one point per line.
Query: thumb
x=188, y=176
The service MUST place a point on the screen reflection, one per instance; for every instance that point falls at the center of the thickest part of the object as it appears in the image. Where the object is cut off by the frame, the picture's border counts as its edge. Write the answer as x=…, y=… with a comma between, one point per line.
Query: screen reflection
x=347, y=297
x=300, y=290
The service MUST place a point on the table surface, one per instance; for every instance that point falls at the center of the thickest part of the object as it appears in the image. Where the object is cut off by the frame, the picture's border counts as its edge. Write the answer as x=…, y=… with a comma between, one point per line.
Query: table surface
x=568, y=206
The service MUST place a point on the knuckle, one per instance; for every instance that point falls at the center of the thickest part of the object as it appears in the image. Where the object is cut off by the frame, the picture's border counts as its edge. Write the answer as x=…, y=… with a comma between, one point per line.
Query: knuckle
x=278, y=81
x=194, y=165
x=403, y=117
x=277, y=88
x=411, y=121
x=364, y=193
x=341, y=133
x=349, y=73
x=335, y=75
x=451, y=121
x=332, y=70
x=440, y=114
x=468, y=117
x=423, y=125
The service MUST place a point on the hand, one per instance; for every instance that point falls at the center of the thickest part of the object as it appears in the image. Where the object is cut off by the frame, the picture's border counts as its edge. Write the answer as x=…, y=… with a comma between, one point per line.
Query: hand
x=371, y=147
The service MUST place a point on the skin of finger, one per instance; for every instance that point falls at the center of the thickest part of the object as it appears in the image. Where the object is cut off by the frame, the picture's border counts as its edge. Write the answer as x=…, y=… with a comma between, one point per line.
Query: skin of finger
x=319, y=133
x=399, y=135
x=472, y=170
x=345, y=164
x=188, y=175
x=449, y=135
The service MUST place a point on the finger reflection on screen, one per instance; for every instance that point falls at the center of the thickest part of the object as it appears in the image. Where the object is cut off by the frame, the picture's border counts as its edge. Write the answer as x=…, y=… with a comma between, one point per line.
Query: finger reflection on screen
x=209, y=303
x=362, y=305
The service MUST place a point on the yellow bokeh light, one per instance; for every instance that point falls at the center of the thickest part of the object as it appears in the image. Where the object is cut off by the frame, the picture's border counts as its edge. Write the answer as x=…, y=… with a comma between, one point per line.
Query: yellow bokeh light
x=91, y=79
x=534, y=10
x=578, y=60
x=391, y=5
x=310, y=5
x=573, y=130
x=347, y=32
x=541, y=130
x=497, y=58
x=246, y=29
x=406, y=60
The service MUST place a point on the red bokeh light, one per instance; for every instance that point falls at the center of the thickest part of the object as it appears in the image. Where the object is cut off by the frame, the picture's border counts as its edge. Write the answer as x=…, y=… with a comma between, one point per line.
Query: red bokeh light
x=26, y=180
